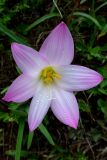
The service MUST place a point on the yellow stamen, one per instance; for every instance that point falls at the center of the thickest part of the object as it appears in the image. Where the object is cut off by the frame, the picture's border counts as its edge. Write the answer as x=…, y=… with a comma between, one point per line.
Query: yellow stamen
x=48, y=75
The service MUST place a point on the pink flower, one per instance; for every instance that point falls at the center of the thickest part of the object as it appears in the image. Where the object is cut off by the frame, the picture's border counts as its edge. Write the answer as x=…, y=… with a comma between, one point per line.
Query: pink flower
x=49, y=78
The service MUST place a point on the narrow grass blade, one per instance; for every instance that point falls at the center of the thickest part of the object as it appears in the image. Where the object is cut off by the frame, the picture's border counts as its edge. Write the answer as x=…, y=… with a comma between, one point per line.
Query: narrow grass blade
x=30, y=138
x=11, y=34
x=85, y=15
x=53, y=7
x=19, y=140
x=13, y=153
x=24, y=154
x=40, y=20
x=99, y=7
x=55, y=3
x=45, y=132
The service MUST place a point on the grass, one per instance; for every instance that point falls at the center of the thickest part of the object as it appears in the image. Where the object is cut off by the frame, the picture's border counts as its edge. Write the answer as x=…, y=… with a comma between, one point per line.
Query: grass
x=29, y=22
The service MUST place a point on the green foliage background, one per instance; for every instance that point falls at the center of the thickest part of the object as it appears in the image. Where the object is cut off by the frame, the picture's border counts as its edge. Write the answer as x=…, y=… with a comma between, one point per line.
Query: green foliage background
x=29, y=22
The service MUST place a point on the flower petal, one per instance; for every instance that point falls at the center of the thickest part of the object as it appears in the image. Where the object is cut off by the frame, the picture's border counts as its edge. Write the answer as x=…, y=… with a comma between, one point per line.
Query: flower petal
x=59, y=46
x=78, y=78
x=65, y=108
x=39, y=106
x=21, y=89
x=27, y=59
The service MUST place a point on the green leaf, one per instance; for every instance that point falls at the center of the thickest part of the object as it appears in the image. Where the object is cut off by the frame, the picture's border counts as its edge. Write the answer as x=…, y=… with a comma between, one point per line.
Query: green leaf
x=102, y=104
x=22, y=154
x=84, y=106
x=4, y=90
x=99, y=7
x=6, y=117
x=104, y=83
x=55, y=3
x=19, y=113
x=104, y=30
x=46, y=134
x=30, y=138
x=85, y=15
x=13, y=152
x=95, y=51
x=19, y=140
x=103, y=71
x=40, y=20
x=103, y=91
x=11, y=34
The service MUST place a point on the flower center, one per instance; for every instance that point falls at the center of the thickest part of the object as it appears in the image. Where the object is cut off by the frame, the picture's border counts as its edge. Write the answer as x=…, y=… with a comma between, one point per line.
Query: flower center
x=48, y=75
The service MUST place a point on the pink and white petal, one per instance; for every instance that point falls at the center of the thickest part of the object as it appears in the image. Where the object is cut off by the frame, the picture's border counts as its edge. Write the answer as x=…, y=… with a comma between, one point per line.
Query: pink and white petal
x=65, y=108
x=27, y=59
x=77, y=78
x=58, y=46
x=21, y=89
x=39, y=106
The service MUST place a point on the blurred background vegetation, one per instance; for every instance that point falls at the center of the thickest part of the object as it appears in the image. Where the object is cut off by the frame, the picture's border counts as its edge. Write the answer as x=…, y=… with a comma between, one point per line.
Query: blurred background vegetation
x=29, y=22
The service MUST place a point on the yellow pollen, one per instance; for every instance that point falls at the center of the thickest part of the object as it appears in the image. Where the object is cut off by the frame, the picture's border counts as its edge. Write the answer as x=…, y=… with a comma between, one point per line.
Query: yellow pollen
x=48, y=75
